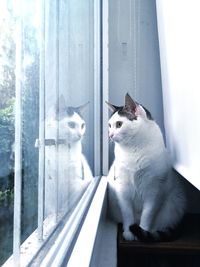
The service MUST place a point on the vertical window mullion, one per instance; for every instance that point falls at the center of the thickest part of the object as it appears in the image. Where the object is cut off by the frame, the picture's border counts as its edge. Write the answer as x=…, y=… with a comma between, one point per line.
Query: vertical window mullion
x=97, y=94
x=18, y=138
x=105, y=158
x=57, y=108
x=41, y=124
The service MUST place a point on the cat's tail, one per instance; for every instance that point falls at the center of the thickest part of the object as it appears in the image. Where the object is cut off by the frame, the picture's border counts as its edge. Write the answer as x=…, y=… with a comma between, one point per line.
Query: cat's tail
x=169, y=234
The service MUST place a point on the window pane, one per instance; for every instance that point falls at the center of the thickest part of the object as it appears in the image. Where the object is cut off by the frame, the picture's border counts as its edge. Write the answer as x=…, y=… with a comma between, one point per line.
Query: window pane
x=47, y=72
x=30, y=116
x=68, y=85
x=7, y=95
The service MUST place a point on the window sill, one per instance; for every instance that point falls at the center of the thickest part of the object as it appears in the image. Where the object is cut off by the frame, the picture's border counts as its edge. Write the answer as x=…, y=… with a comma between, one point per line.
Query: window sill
x=87, y=213
x=86, y=239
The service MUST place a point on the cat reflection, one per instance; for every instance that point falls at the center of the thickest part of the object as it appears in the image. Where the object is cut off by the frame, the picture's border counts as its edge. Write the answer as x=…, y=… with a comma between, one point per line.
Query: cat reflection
x=65, y=163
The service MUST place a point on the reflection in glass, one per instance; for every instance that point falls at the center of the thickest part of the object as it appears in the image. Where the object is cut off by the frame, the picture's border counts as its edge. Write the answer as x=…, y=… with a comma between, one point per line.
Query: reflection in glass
x=69, y=83
x=65, y=162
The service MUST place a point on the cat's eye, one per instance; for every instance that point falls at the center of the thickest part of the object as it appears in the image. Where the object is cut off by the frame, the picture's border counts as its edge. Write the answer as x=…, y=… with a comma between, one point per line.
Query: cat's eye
x=82, y=125
x=119, y=124
x=71, y=124
x=109, y=125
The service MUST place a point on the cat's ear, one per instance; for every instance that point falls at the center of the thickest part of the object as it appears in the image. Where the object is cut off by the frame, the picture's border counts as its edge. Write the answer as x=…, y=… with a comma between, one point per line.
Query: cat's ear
x=82, y=107
x=111, y=106
x=130, y=104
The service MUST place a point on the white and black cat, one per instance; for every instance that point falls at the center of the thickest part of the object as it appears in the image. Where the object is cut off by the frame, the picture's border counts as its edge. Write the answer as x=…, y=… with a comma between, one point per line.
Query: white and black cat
x=143, y=193
x=65, y=162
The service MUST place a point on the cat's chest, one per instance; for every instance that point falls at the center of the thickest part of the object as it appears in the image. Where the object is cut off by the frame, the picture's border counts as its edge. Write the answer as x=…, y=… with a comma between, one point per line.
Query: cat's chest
x=128, y=166
x=130, y=162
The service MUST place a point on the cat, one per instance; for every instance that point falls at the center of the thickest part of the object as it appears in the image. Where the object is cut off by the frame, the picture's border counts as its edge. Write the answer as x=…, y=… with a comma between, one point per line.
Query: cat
x=143, y=194
x=66, y=160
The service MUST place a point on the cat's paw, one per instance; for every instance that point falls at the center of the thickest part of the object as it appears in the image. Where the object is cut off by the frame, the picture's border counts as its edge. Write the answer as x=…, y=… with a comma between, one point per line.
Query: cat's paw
x=129, y=236
x=141, y=234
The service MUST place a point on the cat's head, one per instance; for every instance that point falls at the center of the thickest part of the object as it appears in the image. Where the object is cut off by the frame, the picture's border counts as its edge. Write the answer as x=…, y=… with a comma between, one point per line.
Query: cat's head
x=127, y=121
x=71, y=124
x=69, y=120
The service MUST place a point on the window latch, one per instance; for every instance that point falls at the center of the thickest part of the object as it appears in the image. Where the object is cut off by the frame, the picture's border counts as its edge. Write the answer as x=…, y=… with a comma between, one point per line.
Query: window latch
x=50, y=142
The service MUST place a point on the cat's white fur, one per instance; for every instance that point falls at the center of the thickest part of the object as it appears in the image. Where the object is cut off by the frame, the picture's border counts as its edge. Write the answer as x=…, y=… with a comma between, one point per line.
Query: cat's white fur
x=142, y=188
x=66, y=163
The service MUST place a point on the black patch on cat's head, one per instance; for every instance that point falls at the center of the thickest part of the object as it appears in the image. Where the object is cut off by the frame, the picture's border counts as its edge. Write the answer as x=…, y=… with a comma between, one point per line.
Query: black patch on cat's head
x=66, y=112
x=69, y=111
x=124, y=112
x=129, y=109
x=63, y=110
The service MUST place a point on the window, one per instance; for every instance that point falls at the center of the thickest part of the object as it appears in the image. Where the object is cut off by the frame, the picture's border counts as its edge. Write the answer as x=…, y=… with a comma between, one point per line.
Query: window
x=49, y=111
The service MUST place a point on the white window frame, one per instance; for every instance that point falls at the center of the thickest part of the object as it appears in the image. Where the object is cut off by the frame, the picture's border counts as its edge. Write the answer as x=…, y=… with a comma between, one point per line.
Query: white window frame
x=18, y=146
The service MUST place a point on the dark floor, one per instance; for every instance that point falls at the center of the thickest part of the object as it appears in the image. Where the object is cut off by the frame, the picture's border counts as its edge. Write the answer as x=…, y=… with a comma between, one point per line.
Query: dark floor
x=184, y=251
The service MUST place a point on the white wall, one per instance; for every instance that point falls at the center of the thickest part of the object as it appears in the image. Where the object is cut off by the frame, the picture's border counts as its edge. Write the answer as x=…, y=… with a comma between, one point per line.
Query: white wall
x=178, y=24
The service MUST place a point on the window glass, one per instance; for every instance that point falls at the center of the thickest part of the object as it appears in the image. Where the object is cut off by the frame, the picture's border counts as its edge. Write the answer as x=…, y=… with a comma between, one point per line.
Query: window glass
x=30, y=115
x=7, y=95
x=51, y=62
x=68, y=115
